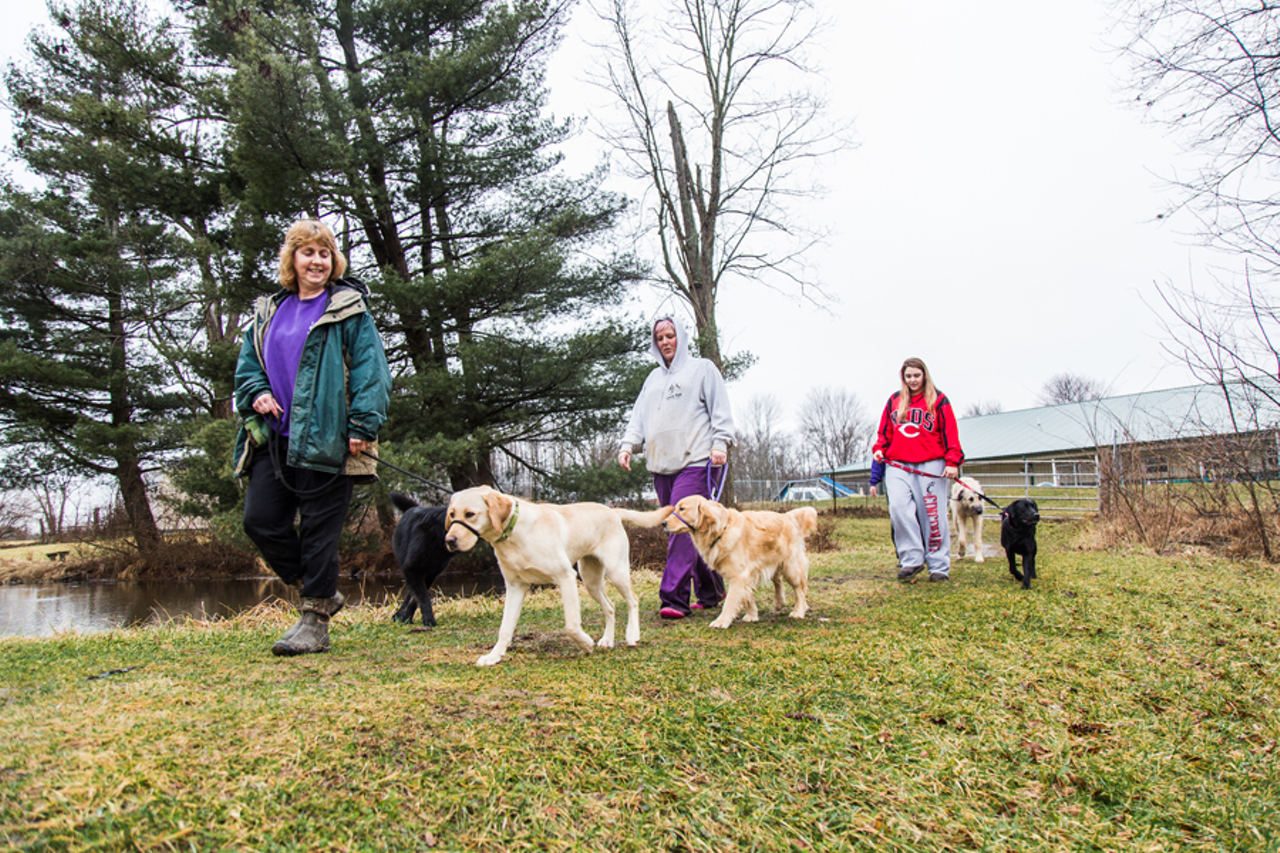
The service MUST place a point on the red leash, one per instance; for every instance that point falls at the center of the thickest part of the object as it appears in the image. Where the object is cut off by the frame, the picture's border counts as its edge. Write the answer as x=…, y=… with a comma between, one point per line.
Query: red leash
x=941, y=477
x=914, y=470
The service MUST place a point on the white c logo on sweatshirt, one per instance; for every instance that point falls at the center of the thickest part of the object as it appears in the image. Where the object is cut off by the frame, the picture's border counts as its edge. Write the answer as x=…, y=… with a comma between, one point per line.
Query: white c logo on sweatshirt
x=909, y=430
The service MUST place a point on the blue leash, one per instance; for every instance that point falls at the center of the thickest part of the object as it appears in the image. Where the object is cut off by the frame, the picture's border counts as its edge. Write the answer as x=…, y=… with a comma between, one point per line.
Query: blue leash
x=714, y=489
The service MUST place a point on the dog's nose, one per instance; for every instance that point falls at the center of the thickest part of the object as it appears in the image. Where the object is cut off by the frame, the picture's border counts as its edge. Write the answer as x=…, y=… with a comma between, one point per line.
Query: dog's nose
x=451, y=543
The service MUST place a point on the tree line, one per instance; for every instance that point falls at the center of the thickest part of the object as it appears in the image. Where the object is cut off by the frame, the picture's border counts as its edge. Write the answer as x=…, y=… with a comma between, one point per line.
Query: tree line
x=168, y=155
x=163, y=153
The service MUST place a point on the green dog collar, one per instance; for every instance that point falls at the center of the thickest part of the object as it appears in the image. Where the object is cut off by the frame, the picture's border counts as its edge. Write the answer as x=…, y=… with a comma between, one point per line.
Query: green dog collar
x=511, y=523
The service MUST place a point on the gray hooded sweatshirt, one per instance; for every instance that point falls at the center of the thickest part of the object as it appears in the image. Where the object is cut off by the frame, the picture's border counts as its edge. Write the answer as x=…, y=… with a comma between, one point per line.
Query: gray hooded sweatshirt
x=682, y=413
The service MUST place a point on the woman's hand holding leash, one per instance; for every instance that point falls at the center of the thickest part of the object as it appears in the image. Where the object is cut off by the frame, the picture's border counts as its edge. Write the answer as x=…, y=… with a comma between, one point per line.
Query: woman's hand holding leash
x=266, y=405
x=357, y=445
x=951, y=472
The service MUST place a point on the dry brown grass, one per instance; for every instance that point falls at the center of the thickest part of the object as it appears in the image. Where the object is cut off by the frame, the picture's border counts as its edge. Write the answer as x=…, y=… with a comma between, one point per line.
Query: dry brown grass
x=1169, y=529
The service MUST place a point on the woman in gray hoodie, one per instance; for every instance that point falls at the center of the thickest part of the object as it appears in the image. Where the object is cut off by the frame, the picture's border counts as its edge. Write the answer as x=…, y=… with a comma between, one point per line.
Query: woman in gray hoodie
x=682, y=422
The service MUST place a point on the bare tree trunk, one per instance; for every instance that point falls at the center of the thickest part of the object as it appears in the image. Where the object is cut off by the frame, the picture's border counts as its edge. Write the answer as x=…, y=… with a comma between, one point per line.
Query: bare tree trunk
x=142, y=523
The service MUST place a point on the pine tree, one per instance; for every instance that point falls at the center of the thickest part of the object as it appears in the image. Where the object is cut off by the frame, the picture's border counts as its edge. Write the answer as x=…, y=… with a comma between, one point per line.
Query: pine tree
x=117, y=333
x=417, y=124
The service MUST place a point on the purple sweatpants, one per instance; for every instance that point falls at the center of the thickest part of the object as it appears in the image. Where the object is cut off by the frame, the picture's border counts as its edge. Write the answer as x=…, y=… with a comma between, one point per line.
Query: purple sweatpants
x=683, y=562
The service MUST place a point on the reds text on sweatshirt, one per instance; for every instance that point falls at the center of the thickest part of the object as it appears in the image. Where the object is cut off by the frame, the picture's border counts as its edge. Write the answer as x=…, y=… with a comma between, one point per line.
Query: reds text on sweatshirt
x=921, y=435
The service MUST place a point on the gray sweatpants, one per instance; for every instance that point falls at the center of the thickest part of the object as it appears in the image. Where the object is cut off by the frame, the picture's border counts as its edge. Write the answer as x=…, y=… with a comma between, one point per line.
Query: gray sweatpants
x=918, y=512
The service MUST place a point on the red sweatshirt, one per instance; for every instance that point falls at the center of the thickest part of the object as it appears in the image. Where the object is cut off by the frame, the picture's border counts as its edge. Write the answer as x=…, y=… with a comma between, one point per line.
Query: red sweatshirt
x=922, y=435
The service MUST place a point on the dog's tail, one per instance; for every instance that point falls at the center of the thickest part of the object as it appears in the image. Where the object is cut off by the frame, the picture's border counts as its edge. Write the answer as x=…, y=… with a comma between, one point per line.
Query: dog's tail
x=805, y=518
x=644, y=519
x=404, y=503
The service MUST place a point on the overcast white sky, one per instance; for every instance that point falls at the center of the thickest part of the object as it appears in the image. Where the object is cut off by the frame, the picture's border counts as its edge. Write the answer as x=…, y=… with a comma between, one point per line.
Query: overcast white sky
x=997, y=218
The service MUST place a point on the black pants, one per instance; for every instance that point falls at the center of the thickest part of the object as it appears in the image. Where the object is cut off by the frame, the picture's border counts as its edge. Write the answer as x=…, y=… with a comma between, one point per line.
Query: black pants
x=310, y=551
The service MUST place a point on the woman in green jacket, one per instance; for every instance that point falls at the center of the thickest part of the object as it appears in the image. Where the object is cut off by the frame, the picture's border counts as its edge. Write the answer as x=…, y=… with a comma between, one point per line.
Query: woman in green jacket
x=312, y=386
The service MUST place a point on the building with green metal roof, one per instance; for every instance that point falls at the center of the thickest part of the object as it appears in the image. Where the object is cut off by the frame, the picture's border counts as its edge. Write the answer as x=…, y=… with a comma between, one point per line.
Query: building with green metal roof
x=1195, y=432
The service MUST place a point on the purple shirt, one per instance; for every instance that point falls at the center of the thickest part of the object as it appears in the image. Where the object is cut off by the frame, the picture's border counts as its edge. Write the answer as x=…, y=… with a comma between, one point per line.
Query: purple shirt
x=282, y=348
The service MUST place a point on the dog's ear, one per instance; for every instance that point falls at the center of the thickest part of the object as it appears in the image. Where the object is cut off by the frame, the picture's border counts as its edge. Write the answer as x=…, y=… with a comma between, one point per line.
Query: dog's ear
x=712, y=515
x=500, y=509
x=690, y=512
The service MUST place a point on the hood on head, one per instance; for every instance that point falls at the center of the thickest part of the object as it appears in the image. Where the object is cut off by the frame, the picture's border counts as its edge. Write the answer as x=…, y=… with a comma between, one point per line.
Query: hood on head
x=682, y=343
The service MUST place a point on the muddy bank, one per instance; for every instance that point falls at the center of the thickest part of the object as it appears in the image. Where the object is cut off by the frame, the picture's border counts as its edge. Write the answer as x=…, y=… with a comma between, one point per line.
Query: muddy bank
x=31, y=571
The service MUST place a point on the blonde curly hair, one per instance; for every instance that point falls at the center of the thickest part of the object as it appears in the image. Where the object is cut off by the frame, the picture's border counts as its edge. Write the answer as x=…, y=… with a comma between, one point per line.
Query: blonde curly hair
x=302, y=232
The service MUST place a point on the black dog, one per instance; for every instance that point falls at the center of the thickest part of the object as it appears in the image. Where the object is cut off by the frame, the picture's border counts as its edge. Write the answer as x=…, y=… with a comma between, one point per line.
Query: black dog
x=1018, y=536
x=418, y=543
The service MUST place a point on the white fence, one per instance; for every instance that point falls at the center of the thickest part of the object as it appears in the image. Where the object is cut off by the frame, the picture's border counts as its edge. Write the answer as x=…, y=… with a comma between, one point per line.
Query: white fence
x=1062, y=488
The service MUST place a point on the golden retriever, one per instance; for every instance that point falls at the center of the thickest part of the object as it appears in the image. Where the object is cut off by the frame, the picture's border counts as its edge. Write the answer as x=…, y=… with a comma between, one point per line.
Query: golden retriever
x=539, y=543
x=966, y=516
x=748, y=548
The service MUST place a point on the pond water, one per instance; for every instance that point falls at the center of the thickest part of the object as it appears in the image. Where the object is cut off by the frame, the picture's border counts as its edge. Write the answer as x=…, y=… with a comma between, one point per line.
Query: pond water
x=47, y=609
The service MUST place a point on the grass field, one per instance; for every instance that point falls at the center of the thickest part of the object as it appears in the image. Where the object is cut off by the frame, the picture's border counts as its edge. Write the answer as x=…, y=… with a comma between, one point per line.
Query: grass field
x=1127, y=702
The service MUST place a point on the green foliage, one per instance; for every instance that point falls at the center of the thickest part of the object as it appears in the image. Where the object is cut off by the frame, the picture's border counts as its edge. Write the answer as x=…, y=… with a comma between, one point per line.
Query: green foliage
x=73, y=376
x=416, y=128
x=421, y=125
x=597, y=483
x=133, y=262
x=204, y=480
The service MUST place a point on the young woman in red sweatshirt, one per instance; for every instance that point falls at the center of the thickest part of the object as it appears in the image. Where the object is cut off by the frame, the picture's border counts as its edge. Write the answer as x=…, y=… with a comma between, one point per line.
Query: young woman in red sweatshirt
x=920, y=446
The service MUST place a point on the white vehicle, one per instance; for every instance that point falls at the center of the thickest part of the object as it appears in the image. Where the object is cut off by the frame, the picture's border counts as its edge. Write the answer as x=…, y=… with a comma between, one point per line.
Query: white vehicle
x=806, y=493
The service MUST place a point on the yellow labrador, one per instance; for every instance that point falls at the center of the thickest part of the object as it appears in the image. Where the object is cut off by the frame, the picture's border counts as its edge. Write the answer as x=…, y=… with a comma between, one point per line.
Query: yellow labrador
x=748, y=548
x=539, y=543
x=966, y=516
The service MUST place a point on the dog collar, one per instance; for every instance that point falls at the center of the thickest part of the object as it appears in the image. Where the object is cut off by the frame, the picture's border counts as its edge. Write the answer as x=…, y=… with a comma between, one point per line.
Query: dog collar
x=690, y=526
x=511, y=523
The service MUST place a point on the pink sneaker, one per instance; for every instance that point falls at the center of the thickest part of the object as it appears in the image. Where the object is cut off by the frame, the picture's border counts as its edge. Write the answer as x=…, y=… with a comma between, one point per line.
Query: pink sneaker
x=670, y=613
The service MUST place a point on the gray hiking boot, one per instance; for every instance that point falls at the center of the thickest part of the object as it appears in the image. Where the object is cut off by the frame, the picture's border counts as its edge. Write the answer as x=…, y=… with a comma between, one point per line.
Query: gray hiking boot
x=938, y=576
x=908, y=572
x=328, y=606
x=311, y=634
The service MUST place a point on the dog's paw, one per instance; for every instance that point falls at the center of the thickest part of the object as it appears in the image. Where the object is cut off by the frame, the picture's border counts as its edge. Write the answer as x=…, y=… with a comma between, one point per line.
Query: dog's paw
x=489, y=659
x=751, y=617
x=604, y=643
x=721, y=623
x=979, y=558
x=798, y=613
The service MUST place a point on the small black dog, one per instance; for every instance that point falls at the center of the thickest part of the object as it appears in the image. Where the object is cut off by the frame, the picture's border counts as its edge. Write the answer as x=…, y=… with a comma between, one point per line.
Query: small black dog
x=1018, y=536
x=418, y=543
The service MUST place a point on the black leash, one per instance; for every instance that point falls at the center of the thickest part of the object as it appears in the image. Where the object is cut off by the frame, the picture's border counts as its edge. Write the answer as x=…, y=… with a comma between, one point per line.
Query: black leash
x=274, y=452
x=414, y=476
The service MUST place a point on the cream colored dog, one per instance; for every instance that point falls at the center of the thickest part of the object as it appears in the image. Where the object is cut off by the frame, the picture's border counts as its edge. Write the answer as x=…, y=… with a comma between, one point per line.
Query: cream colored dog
x=748, y=548
x=966, y=516
x=539, y=543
